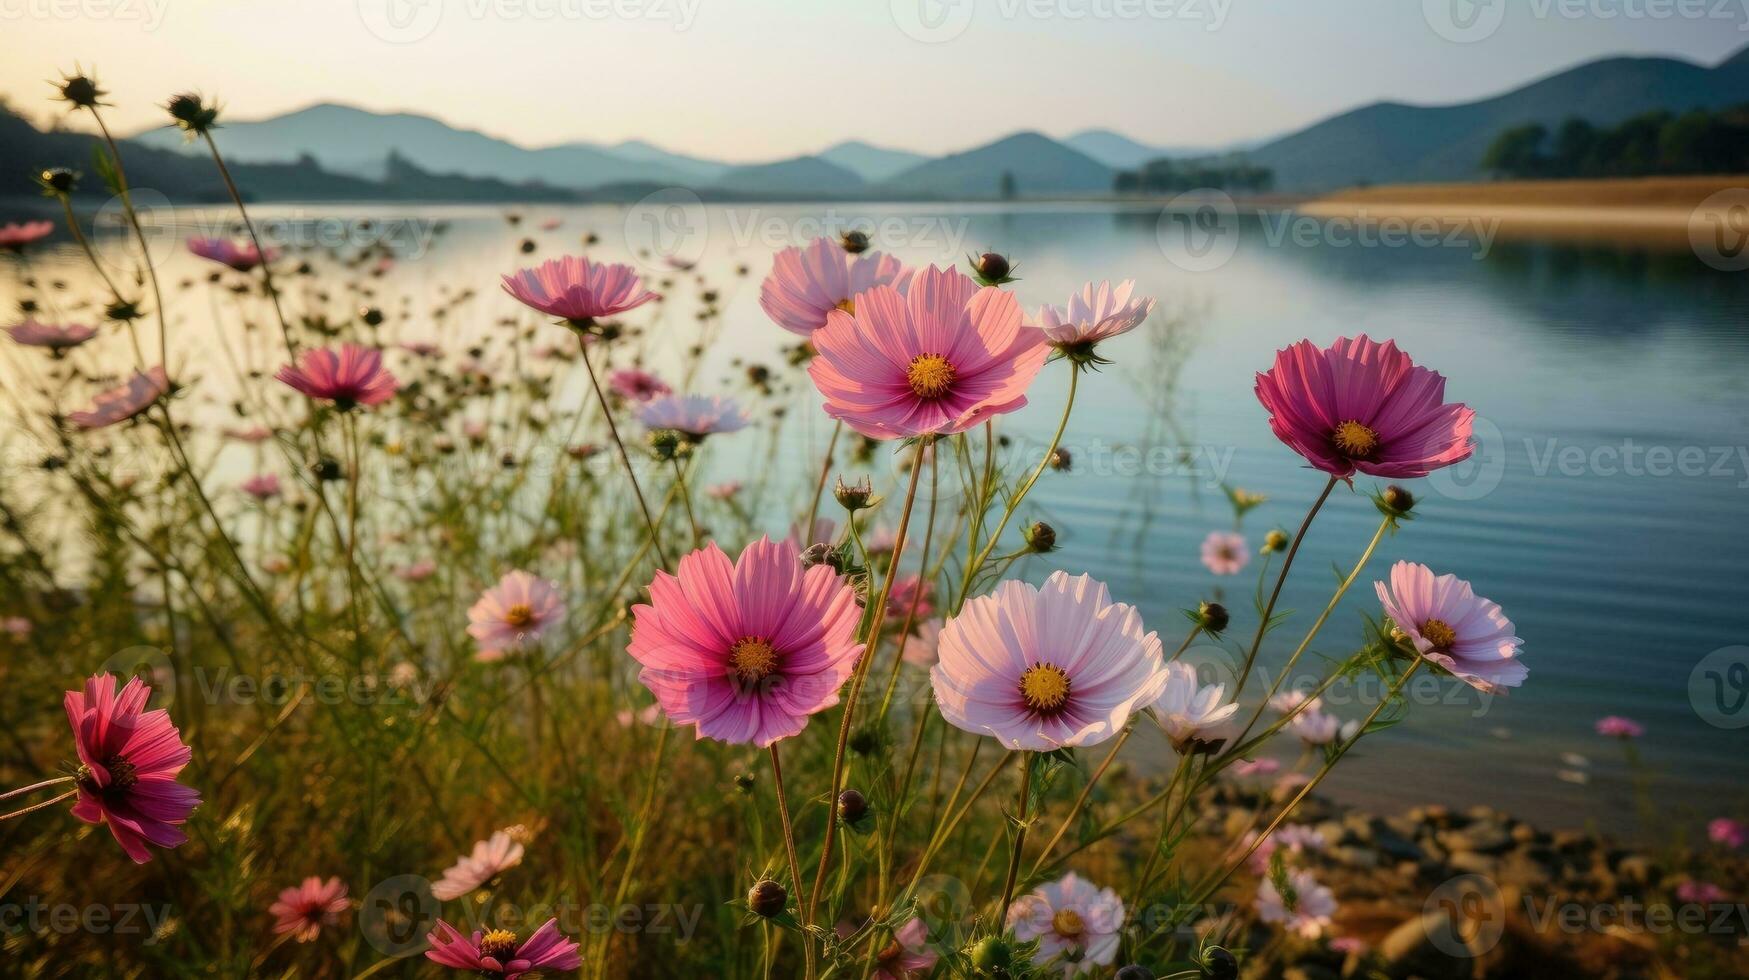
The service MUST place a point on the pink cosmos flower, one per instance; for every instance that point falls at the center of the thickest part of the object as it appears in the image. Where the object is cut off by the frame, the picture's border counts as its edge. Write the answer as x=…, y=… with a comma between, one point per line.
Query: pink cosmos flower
x=906, y=590
x=497, y=953
x=695, y=416
x=638, y=386
x=1348, y=945
x=1094, y=314
x=304, y=909
x=806, y=284
x=241, y=256
x=1225, y=553
x=924, y=649
x=1289, y=701
x=576, y=289
x=125, y=402
x=516, y=611
x=1264, y=766
x=128, y=761
x=418, y=571
x=421, y=348
x=908, y=956
x=1314, y=727
x=1306, y=912
x=727, y=490
x=249, y=434
x=824, y=531
x=1361, y=405
x=1700, y=892
x=1615, y=726
x=1728, y=832
x=58, y=339
x=1452, y=627
x=940, y=358
x=14, y=236
x=746, y=651
x=349, y=377
x=1044, y=668
x=1075, y=922
x=490, y=858
x=16, y=627
x=1189, y=711
x=263, y=486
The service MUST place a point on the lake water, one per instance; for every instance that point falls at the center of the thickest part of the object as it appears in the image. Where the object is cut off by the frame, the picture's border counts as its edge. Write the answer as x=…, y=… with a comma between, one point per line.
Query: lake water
x=1606, y=510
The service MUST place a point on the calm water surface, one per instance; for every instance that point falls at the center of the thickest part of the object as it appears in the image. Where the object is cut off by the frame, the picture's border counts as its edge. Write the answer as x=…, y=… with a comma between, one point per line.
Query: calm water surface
x=1594, y=370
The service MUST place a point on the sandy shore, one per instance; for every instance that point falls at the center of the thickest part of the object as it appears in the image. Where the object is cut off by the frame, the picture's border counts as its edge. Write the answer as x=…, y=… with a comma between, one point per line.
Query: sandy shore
x=1670, y=212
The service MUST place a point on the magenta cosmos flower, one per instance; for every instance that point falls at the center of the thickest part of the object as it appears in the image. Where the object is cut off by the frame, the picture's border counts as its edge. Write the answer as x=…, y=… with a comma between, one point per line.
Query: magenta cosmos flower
x=1361, y=405
x=304, y=909
x=497, y=954
x=518, y=610
x=1615, y=726
x=490, y=858
x=639, y=386
x=1452, y=627
x=128, y=761
x=14, y=236
x=1225, y=553
x=264, y=486
x=908, y=956
x=1076, y=923
x=1306, y=910
x=694, y=416
x=1731, y=833
x=746, y=650
x=241, y=256
x=348, y=377
x=57, y=339
x=1096, y=313
x=576, y=289
x=1044, y=668
x=125, y=401
x=940, y=358
x=806, y=284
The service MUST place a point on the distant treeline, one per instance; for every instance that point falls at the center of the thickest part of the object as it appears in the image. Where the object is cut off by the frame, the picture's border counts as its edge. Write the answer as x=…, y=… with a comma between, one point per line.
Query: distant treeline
x=1168, y=176
x=1655, y=143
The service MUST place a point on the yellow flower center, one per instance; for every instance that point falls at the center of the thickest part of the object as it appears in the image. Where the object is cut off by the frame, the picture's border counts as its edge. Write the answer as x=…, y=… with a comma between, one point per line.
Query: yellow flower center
x=500, y=944
x=847, y=305
x=1355, y=439
x=752, y=658
x=1439, y=633
x=519, y=615
x=930, y=375
x=1067, y=923
x=1044, y=688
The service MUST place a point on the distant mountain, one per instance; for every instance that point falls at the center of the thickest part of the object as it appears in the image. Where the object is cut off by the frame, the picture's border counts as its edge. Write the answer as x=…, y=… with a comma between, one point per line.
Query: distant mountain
x=1038, y=164
x=1390, y=142
x=642, y=152
x=1118, y=151
x=872, y=163
x=810, y=176
x=357, y=142
x=187, y=178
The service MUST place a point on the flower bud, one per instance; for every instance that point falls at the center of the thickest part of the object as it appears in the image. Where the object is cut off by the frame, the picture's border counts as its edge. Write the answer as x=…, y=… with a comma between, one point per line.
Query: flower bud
x=767, y=898
x=744, y=782
x=1212, y=616
x=56, y=181
x=865, y=741
x=852, y=806
x=1397, y=501
x=1041, y=537
x=81, y=91
x=991, y=269
x=122, y=310
x=856, y=496
x=194, y=116
x=326, y=469
x=665, y=443
x=1061, y=461
x=1276, y=540
x=819, y=554
x=1219, y=964
x=371, y=316
x=1135, y=971
x=854, y=242
x=992, y=956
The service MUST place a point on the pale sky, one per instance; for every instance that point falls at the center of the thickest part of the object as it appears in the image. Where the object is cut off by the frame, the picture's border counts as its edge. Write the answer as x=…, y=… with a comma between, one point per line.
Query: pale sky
x=761, y=79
